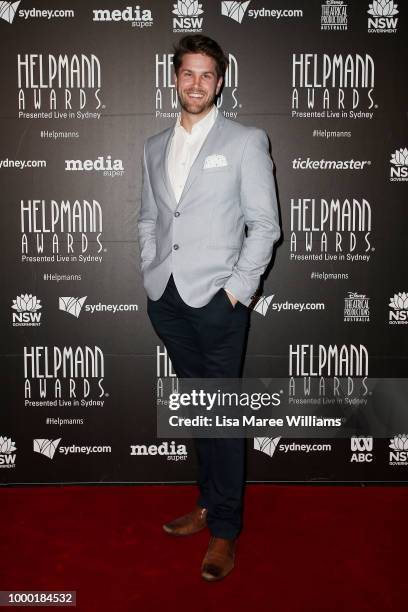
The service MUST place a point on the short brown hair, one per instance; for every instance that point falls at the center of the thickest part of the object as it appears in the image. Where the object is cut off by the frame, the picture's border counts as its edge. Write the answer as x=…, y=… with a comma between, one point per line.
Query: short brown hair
x=197, y=43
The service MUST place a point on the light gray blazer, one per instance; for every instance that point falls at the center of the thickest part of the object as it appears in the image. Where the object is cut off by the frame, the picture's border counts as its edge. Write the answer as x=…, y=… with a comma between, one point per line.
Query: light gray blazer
x=201, y=240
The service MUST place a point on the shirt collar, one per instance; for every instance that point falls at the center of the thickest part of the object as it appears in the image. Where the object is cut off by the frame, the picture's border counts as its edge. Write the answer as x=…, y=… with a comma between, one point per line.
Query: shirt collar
x=204, y=123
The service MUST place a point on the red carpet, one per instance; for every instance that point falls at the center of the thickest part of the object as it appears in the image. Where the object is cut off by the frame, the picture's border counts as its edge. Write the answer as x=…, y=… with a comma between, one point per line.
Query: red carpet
x=317, y=549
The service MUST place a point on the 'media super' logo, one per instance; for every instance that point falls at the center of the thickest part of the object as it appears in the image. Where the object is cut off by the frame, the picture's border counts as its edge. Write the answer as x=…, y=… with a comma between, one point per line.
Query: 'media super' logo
x=135, y=15
x=333, y=86
x=7, y=453
x=170, y=450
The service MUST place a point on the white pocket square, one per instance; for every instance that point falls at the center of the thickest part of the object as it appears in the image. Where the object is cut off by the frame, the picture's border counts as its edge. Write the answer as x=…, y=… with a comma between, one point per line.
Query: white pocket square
x=215, y=161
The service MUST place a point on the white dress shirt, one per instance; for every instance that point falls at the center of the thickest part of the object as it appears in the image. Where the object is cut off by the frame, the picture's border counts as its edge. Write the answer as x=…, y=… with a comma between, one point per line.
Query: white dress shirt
x=184, y=149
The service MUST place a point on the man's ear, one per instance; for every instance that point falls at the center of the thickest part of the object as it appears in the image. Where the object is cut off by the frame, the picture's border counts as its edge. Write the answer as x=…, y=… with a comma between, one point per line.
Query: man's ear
x=175, y=79
x=219, y=85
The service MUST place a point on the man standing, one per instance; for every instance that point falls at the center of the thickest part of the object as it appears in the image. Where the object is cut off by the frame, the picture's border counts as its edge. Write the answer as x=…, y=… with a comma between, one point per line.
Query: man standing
x=204, y=180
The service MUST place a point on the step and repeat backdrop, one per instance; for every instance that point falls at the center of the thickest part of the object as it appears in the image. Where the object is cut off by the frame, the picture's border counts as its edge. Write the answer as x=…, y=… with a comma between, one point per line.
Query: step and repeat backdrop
x=84, y=84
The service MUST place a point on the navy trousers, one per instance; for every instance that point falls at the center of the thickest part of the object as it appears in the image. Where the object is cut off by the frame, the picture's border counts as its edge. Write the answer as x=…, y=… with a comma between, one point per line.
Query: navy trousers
x=209, y=342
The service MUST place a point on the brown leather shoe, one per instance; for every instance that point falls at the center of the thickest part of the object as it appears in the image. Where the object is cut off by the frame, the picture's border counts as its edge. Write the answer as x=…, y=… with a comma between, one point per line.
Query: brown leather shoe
x=188, y=524
x=219, y=559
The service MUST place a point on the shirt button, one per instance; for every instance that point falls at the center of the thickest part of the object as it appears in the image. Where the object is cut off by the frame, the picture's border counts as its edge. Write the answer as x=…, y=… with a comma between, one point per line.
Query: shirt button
x=176, y=214
x=175, y=247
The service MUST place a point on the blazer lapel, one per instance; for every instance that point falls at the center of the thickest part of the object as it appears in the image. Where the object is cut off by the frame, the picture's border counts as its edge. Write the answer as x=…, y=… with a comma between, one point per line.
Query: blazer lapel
x=165, y=174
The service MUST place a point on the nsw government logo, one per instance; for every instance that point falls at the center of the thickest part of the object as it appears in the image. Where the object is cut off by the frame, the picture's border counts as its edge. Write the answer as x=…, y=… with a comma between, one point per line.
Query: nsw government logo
x=356, y=307
x=187, y=17
x=399, y=169
x=398, y=315
x=361, y=449
x=382, y=18
x=334, y=15
x=27, y=314
x=399, y=450
x=7, y=453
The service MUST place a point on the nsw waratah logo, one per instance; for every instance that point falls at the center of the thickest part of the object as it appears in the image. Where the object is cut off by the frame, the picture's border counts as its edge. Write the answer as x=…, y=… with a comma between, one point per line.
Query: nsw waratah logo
x=46, y=447
x=399, y=450
x=72, y=305
x=26, y=306
x=398, y=315
x=187, y=16
x=7, y=452
x=399, y=168
x=234, y=10
x=266, y=445
x=8, y=10
x=382, y=18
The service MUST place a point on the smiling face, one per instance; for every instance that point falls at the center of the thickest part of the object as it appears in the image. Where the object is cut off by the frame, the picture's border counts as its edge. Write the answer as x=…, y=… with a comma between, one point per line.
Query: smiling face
x=197, y=83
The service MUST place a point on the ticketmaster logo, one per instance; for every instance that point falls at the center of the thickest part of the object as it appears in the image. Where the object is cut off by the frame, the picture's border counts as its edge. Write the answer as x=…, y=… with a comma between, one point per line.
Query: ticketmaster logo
x=46, y=447
x=8, y=10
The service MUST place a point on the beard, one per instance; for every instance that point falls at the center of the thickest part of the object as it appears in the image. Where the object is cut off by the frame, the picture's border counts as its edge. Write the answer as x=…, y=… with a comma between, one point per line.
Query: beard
x=197, y=106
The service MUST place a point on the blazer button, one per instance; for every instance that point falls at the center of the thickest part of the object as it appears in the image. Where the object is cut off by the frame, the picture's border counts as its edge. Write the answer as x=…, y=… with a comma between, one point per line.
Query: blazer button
x=175, y=247
x=177, y=214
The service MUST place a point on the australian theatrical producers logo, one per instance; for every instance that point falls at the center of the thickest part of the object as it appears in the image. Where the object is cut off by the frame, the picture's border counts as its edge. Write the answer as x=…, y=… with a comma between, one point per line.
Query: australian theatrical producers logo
x=8, y=11
x=331, y=230
x=237, y=10
x=356, y=307
x=264, y=304
x=166, y=100
x=26, y=307
x=48, y=448
x=399, y=167
x=105, y=165
x=7, y=453
x=59, y=86
x=334, y=15
x=135, y=15
x=53, y=374
x=187, y=16
x=361, y=449
x=398, y=454
x=61, y=231
x=382, y=18
x=73, y=306
x=170, y=450
x=336, y=86
x=398, y=313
